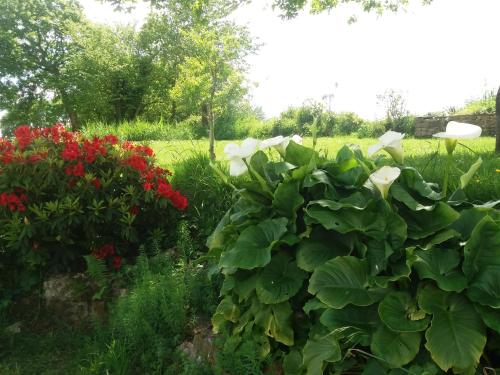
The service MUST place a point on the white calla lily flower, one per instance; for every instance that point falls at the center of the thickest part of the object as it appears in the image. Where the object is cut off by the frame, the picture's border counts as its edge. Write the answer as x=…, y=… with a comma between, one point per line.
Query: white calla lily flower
x=280, y=143
x=384, y=178
x=236, y=155
x=458, y=130
x=271, y=142
x=390, y=142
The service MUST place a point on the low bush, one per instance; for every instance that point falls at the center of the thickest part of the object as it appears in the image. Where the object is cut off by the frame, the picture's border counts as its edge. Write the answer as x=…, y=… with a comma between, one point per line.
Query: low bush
x=209, y=197
x=371, y=129
x=64, y=196
x=330, y=268
x=347, y=123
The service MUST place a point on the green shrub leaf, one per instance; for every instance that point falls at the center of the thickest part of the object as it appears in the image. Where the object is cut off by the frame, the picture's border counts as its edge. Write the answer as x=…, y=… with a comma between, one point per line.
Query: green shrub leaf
x=287, y=199
x=395, y=348
x=399, y=312
x=440, y=265
x=280, y=280
x=342, y=281
x=456, y=337
x=253, y=247
x=321, y=246
x=318, y=351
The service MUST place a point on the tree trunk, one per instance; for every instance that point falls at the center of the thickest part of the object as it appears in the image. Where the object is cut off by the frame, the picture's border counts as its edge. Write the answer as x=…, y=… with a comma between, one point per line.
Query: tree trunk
x=497, y=110
x=73, y=117
x=211, y=134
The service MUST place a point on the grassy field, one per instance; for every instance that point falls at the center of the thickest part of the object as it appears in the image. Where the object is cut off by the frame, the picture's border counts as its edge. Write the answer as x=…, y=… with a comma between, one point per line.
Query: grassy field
x=428, y=155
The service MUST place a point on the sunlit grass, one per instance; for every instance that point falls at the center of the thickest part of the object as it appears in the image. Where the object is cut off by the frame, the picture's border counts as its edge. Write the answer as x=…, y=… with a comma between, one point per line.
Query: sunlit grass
x=427, y=155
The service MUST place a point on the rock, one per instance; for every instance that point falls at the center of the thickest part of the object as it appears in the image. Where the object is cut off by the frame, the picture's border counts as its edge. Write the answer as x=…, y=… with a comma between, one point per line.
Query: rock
x=202, y=347
x=14, y=328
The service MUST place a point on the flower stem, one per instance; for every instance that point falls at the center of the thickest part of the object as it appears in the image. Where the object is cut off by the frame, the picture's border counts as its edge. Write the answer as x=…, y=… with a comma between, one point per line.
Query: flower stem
x=449, y=162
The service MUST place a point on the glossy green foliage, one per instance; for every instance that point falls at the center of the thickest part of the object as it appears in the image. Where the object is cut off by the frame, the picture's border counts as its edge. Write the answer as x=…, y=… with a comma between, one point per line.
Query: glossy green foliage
x=332, y=278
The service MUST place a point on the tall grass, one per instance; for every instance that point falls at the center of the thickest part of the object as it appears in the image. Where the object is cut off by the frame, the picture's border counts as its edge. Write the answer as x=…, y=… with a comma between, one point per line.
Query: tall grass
x=141, y=130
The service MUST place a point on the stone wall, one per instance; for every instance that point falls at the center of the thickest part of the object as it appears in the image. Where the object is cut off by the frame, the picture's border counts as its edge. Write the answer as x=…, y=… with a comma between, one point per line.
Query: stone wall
x=427, y=126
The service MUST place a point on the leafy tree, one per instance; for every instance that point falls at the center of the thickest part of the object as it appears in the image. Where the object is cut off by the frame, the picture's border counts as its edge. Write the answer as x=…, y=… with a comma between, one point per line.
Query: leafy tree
x=36, y=43
x=212, y=77
x=291, y=8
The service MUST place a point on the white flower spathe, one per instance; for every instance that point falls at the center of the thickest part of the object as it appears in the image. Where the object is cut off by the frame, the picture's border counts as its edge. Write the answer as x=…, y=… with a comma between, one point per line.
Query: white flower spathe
x=280, y=143
x=236, y=155
x=390, y=142
x=384, y=178
x=458, y=130
x=271, y=142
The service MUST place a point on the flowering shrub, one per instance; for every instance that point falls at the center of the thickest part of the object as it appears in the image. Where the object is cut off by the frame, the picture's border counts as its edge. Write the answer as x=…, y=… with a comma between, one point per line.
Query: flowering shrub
x=63, y=196
x=343, y=266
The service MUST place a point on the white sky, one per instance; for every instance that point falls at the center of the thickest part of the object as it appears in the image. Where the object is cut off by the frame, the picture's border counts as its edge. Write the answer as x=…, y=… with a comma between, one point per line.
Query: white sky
x=438, y=56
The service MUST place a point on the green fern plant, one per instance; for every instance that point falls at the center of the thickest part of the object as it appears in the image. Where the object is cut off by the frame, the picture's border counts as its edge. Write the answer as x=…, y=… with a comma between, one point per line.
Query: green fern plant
x=98, y=273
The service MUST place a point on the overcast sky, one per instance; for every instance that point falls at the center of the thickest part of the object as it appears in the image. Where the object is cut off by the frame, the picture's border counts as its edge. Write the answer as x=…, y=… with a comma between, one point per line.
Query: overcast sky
x=438, y=56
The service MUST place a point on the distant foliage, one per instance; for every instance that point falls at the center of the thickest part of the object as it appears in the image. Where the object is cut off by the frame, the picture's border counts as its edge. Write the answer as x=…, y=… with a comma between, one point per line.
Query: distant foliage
x=64, y=196
x=484, y=105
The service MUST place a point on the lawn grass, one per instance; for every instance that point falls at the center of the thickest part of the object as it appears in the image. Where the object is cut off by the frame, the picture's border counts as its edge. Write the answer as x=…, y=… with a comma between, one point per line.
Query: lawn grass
x=427, y=155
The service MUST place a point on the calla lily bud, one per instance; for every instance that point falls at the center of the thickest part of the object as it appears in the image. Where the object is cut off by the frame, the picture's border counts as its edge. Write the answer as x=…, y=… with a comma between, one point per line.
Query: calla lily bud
x=384, y=178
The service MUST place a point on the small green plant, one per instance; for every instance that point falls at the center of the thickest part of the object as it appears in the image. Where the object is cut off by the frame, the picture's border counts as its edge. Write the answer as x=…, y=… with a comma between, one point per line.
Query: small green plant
x=345, y=266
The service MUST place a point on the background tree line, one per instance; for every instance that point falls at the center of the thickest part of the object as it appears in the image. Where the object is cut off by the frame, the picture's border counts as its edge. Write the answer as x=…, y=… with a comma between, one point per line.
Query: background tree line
x=187, y=60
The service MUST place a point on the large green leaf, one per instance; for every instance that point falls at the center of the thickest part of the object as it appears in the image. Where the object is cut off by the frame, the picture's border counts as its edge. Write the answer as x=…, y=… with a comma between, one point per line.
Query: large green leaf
x=483, y=247
x=277, y=322
x=287, y=199
x=466, y=177
x=292, y=363
x=372, y=221
x=342, y=281
x=321, y=246
x=485, y=288
x=491, y=317
x=456, y=337
x=395, y=348
x=319, y=350
x=440, y=265
x=399, y=312
x=253, y=247
x=226, y=311
x=467, y=221
x=412, y=179
x=280, y=280
x=422, y=224
x=400, y=194
x=300, y=155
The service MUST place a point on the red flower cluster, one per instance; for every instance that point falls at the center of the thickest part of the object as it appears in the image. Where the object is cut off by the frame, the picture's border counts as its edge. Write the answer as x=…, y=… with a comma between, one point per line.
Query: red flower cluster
x=108, y=251
x=24, y=136
x=14, y=201
x=71, y=151
x=137, y=162
x=165, y=190
x=77, y=170
x=91, y=149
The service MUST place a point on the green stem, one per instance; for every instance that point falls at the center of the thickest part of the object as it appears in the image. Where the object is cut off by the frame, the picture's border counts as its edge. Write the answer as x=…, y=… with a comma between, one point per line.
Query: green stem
x=259, y=178
x=449, y=162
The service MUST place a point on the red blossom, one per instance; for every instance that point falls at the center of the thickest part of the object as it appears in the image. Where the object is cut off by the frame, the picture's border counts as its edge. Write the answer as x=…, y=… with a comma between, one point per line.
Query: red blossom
x=134, y=210
x=96, y=182
x=104, y=251
x=23, y=136
x=71, y=151
x=117, y=262
x=136, y=162
x=147, y=186
x=111, y=139
x=14, y=201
